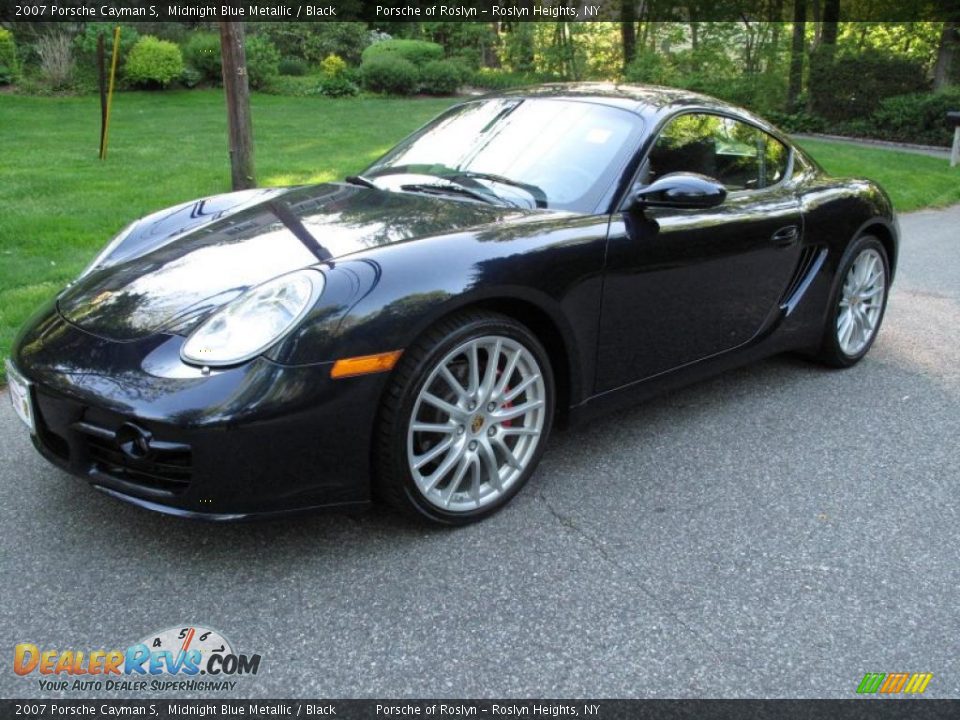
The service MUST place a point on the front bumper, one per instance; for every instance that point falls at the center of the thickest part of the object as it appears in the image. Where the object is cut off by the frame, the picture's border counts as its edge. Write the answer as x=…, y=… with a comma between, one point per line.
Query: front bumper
x=137, y=423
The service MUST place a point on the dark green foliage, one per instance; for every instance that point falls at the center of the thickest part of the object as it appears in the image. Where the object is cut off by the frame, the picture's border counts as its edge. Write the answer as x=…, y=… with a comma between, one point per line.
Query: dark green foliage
x=292, y=67
x=490, y=79
x=202, y=53
x=85, y=44
x=417, y=52
x=917, y=118
x=314, y=41
x=263, y=61
x=338, y=86
x=190, y=77
x=390, y=74
x=153, y=62
x=850, y=86
x=440, y=77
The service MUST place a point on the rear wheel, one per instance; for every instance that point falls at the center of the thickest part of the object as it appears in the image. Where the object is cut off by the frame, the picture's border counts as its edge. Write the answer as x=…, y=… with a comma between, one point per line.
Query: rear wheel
x=857, y=304
x=465, y=419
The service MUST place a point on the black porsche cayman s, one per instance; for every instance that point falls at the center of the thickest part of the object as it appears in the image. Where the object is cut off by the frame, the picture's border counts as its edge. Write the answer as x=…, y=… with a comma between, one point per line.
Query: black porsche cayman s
x=413, y=333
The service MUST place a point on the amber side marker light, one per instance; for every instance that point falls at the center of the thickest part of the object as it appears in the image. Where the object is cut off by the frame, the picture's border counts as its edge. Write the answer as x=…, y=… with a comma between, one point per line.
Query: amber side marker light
x=365, y=364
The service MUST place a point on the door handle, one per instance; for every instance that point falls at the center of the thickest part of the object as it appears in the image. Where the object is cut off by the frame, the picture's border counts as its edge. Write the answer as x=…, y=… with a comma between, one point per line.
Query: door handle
x=785, y=235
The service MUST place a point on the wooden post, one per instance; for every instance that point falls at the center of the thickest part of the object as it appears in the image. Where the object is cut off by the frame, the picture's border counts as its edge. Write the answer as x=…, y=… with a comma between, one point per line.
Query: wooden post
x=237, y=90
x=955, y=153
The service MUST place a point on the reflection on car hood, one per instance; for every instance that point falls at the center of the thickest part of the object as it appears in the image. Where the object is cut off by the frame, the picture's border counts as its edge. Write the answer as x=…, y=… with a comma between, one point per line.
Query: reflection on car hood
x=173, y=279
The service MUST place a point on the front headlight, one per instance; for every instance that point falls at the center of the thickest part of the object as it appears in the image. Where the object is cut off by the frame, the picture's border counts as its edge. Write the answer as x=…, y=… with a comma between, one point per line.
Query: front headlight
x=247, y=326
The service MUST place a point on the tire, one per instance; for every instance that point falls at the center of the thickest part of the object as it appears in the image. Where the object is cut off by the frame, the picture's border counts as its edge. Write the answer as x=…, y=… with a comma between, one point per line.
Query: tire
x=437, y=457
x=856, y=305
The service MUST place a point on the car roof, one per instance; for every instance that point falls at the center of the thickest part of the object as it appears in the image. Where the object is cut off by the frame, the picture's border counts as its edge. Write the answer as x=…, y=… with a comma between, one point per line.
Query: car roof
x=648, y=101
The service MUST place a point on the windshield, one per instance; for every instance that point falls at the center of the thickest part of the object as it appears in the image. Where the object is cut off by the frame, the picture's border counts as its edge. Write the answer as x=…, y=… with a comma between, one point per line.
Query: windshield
x=548, y=153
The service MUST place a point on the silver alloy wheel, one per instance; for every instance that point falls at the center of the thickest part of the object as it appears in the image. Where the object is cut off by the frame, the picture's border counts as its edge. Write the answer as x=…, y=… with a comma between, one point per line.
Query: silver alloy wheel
x=476, y=423
x=861, y=302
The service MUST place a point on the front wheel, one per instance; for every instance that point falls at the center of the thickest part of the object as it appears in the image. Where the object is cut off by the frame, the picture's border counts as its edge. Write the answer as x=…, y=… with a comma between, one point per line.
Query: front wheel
x=857, y=304
x=466, y=419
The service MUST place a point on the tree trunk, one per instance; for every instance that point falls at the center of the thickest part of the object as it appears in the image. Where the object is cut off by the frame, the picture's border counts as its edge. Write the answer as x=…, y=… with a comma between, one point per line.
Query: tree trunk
x=237, y=90
x=831, y=22
x=948, y=45
x=796, y=55
x=627, y=31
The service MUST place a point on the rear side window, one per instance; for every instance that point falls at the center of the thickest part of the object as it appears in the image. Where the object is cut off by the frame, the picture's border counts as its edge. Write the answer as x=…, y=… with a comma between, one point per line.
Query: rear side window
x=740, y=156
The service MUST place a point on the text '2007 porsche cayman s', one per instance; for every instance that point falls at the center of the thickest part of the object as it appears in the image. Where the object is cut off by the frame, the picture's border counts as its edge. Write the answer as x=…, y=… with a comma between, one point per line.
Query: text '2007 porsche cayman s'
x=413, y=333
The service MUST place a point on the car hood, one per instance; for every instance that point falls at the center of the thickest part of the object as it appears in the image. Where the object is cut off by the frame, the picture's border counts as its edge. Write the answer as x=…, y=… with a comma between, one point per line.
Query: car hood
x=178, y=266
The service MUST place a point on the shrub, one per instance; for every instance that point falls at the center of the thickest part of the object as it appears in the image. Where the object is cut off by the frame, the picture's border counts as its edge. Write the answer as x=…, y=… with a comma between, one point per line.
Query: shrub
x=191, y=77
x=799, y=122
x=153, y=62
x=338, y=86
x=56, y=60
x=651, y=67
x=294, y=86
x=333, y=65
x=292, y=67
x=418, y=52
x=85, y=44
x=314, y=41
x=8, y=57
x=849, y=86
x=490, y=79
x=915, y=118
x=440, y=77
x=392, y=75
x=263, y=61
x=202, y=53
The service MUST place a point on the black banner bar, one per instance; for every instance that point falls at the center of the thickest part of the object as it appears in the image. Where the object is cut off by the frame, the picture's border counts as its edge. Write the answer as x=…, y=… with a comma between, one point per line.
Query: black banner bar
x=381, y=11
x=858, y=709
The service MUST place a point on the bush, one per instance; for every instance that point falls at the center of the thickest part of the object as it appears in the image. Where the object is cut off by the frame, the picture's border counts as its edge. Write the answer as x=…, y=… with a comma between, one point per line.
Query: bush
x=292, y=67
x=202, y=53
x=799, y=122
x=650, y=67
x=314, y=41
x=417, y=52
x=263, y=61
x=440, y=77
x=338, y=86
x=9, y=66
x=850, y=86
x=490, y=79
x=915, y=118
x=388, y=74
x=294, y=86
x=56, y=60
x=153, y=62
x=85, y=44
x=191, y=77
x=333, y=66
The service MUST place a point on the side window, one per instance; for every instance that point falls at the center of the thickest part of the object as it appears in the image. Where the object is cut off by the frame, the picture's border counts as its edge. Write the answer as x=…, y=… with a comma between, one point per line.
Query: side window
x=738, y=155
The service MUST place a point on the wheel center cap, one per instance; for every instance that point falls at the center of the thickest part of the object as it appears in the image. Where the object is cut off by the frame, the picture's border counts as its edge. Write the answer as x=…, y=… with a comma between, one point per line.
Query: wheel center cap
x=476, y=425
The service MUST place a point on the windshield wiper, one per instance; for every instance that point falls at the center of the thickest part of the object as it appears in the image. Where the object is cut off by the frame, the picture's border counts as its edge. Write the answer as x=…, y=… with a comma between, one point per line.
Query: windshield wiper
x=361, y=181
x=451, y=188
x=539, y=196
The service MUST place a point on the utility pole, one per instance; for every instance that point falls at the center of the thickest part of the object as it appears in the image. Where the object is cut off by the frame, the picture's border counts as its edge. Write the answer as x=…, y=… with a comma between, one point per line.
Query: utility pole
x=237, y=90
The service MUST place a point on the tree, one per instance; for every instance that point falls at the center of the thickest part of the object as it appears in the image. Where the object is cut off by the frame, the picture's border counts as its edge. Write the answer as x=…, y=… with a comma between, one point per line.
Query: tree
x=796, y=54
x=628, y=33
x=945, y=52
x=237, y=91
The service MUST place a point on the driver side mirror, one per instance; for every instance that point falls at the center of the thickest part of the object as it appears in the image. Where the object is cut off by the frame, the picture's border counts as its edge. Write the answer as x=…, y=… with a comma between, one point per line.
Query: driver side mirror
x=680, y=190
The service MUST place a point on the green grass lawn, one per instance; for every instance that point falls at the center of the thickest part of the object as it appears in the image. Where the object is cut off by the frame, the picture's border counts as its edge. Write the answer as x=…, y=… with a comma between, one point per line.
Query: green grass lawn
x=913, y=181
x=59, y=204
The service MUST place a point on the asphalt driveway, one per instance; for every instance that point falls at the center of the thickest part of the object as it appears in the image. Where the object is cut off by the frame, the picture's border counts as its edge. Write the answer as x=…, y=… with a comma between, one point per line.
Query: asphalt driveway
x=778, y=531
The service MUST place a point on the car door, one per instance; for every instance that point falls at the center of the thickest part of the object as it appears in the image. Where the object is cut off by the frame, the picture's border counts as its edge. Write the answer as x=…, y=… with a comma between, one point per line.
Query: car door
x=682, y=285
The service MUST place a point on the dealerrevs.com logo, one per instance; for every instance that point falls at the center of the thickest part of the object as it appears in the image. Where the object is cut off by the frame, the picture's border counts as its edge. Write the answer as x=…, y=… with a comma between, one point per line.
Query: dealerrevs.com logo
x=174, y=659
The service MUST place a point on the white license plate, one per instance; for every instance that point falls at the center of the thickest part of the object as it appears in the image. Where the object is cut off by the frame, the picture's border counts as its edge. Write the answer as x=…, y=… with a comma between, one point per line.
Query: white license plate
x=20, y=396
